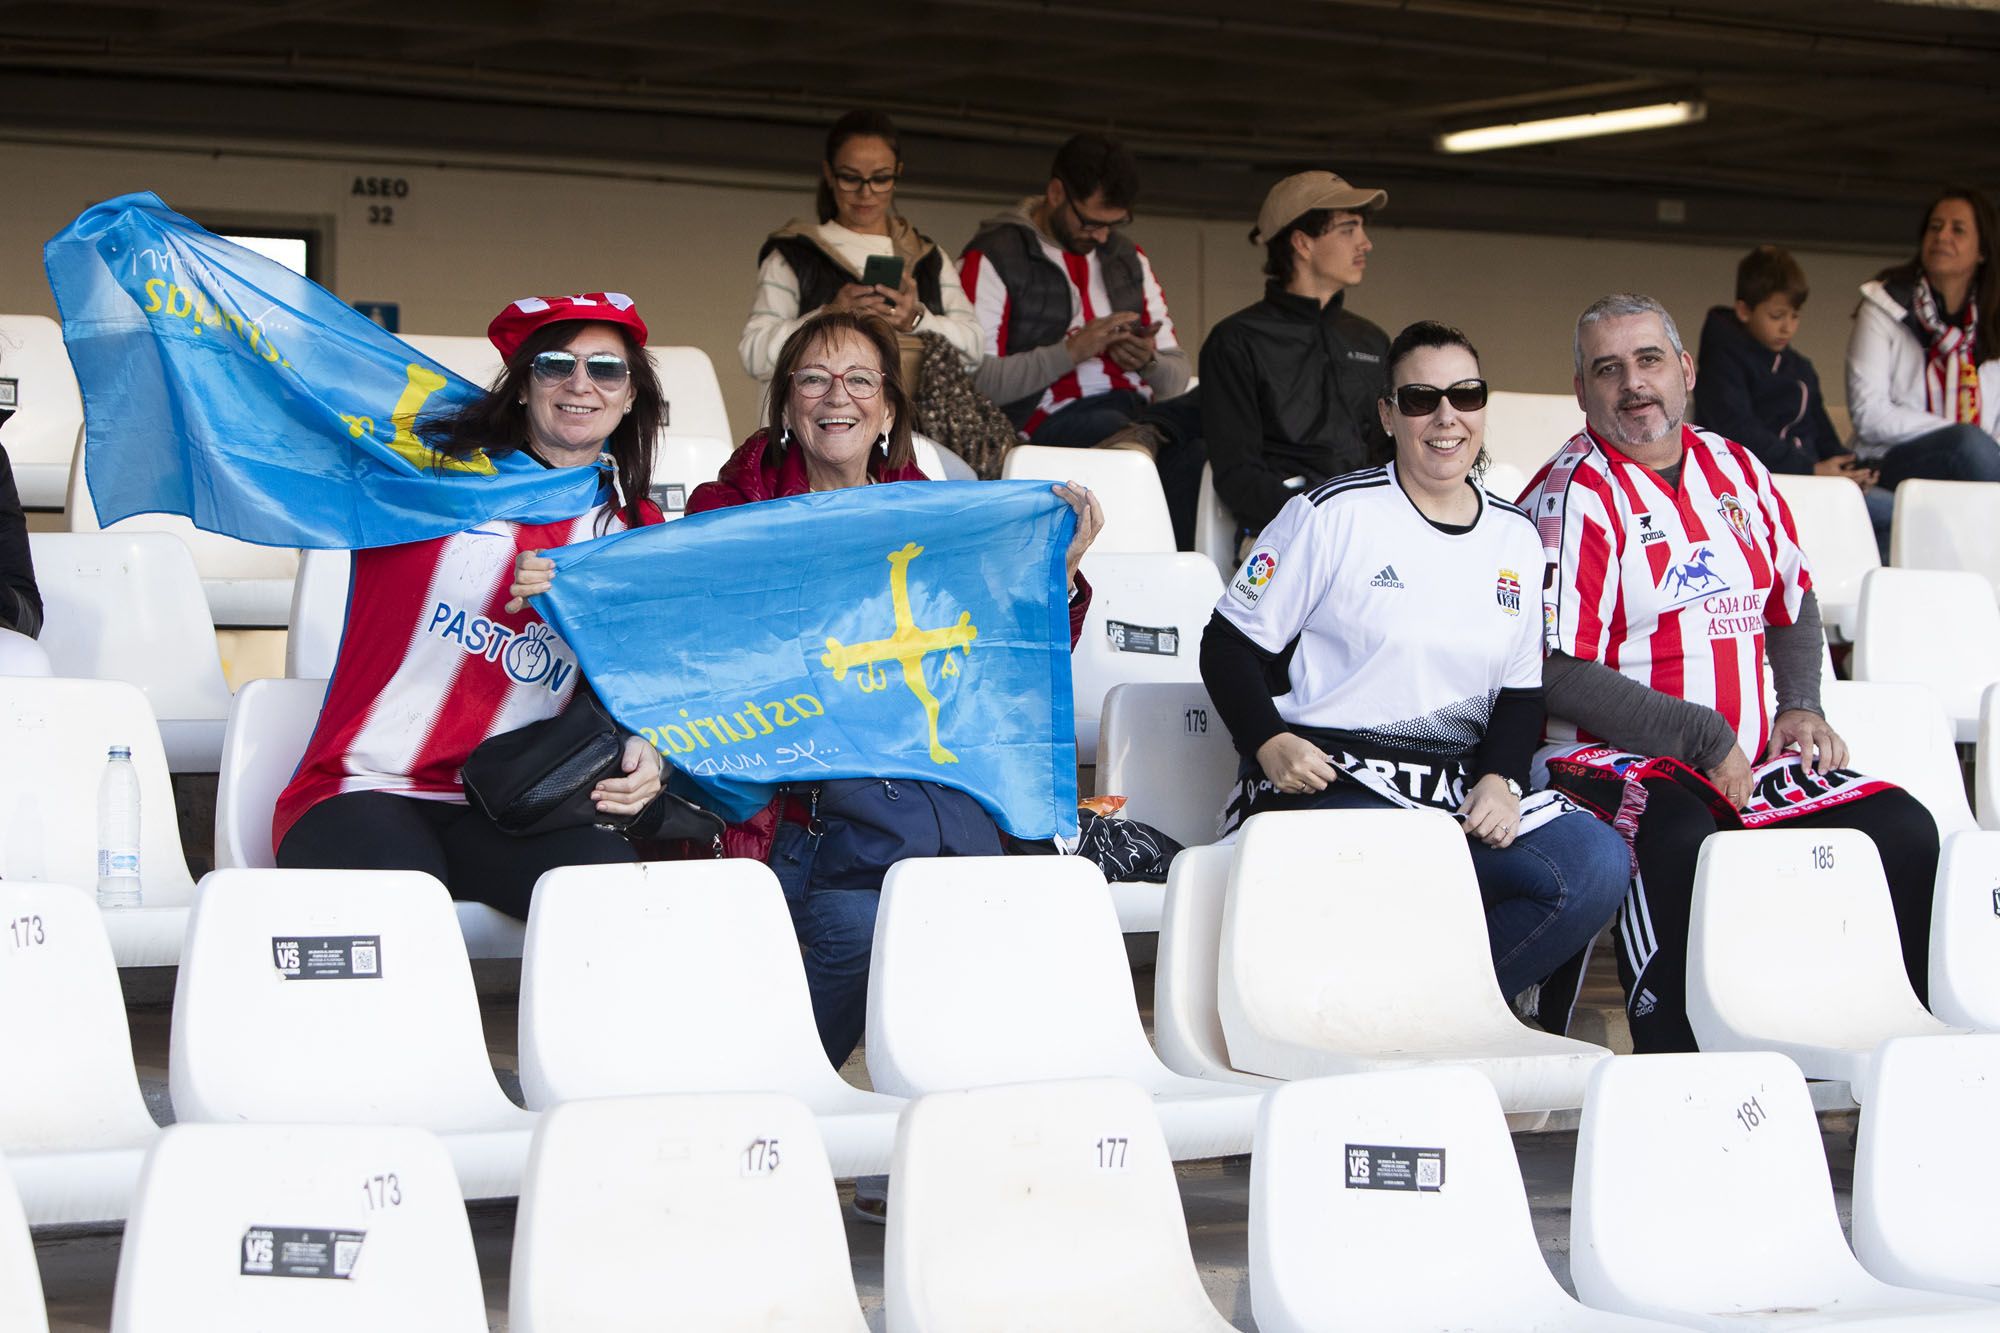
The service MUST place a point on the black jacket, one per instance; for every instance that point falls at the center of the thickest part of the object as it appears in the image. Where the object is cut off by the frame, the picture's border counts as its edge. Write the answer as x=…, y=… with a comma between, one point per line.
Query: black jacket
x=1289, y=389
x=1768, y=402
x=20, y=603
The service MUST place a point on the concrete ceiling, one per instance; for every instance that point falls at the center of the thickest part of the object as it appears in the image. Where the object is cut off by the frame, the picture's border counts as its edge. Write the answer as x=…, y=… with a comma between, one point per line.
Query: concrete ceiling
x=1826, y=121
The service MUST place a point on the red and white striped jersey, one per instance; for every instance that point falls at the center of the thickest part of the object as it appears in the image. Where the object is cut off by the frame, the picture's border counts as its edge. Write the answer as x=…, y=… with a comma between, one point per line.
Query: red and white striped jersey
x=1671, y=587
x=1088, y=300
x=430, y=665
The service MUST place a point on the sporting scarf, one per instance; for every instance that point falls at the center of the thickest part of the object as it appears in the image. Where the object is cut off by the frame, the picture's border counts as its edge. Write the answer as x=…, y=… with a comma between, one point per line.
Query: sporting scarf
x=1951, y=375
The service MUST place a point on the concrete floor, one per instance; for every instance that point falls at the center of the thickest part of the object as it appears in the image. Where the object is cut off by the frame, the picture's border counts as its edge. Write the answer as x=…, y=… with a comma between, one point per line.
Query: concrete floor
x=79, y=1267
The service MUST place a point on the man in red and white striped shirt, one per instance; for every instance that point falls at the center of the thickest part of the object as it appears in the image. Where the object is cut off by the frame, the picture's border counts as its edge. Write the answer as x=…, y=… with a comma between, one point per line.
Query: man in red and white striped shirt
x=1078, y=338
x=1674, y=572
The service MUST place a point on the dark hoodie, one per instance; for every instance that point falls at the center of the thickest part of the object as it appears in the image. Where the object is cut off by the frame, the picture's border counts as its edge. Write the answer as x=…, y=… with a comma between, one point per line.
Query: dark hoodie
x=1768, y=402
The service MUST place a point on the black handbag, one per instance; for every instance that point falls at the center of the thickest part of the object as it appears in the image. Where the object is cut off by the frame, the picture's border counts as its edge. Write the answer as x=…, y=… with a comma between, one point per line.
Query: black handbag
x=538, y=779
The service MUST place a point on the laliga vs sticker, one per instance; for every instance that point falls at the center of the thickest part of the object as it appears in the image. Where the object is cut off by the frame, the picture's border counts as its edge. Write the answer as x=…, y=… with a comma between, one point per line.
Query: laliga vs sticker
x=1375, y=1167
x=1255, y=576
x=1507, y=592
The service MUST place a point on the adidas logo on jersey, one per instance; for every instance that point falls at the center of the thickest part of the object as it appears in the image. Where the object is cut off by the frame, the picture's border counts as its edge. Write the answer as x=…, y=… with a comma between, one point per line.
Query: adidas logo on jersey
x=1646, y=1003
x=1386, y=578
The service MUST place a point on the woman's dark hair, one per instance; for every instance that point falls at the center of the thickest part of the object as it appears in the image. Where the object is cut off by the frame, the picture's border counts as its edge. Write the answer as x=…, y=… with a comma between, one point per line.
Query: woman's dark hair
x=1088, y=164
x=497, y=421
x=1415, y=337
x=1280, y=261
x=816, y=332
x=853, y=125
x=1985, y=283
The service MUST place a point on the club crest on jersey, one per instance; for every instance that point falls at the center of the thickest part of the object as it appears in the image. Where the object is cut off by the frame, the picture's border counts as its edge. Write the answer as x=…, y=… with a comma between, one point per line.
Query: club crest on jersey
x=1507, y=592
x=1734, y=514
x=1255, y=576
x=1692, y=579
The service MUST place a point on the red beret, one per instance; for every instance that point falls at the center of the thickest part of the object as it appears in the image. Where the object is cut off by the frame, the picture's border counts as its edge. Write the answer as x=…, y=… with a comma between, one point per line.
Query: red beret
x=511, y=327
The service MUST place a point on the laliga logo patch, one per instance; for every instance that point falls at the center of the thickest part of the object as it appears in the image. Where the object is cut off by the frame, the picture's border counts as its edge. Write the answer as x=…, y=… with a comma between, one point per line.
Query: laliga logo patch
x=1507, y=592
x=1255, y=576
x=1735, y=515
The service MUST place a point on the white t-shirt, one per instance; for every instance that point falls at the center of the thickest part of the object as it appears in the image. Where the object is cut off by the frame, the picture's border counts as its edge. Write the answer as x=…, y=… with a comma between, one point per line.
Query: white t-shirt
x=1401, y=635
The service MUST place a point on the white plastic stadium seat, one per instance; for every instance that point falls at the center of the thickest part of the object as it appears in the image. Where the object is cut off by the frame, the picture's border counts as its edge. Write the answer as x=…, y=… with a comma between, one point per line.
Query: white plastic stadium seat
x=1792, y=947
x=1164, y=748
x=939, y=463
x=1933, y=627
x=246, y=586
x=129, y=606
x=73, y=1126
x=681, y=463
x=1504, y=480
x=1042, y=1206
x=1986, y=760
x=54, y=735
x=1146, y=617
x=1965, y=932
x=308, y=1228
x=1187, y=1028
x=1940, y=525
x=319, y=614
x=389, y=1033
x=1127, y=486
x=1900, y=732
x=22, y=656
x=1838, y=538
x=1702, y=1198
x=1214, y=526
x=993, y=969
x=21, y=1307
x=466, y=355
x=42, y=434
x=694, y=395
x=1927, y=1166
x=1524, y=430
x=682, y=976
x=1359, y=1183
x=270, y=722
x=1356, y=940
x=701, y=1211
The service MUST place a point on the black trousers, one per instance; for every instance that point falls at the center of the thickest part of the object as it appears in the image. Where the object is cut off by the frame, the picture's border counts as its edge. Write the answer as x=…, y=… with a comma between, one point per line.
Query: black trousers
x=1652, y=927
x=374, y=830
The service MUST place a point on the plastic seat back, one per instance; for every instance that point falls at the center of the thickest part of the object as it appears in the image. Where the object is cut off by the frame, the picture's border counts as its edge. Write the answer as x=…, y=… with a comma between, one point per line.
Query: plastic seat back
x=1163, y=747
x=1932, y=627
x=55, y=734
x=1524, y=430
x=373, y=961
x=1505, y=480
x=1944, y=525
x=21, y=1308
x=319, y=614
x=997, y=969
x=1965, y=932
x=700, y=1211
x=270, y=722
x=466, y=355
x=1127, y=485
x=704, y=949
x=1040, y=1206
x=1792, y=947
x=1187, y=1027
x=1986, y=760
x=939, y=463
x=1838, y=538
x=1926, y=1168
x=1701, y=1188
x=42, y=434
x=694, y=395
x=1145, y=622
x=1358, y=1183
x=1900, y=732
x=308, y=1228
x=67, y=1049
x=1215, y=527
x=22, y=656
x=681, y=463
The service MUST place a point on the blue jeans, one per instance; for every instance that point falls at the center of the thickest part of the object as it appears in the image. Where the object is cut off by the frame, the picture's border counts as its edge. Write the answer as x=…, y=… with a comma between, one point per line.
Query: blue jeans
x=1085, y=421
x=836, y=930
x=1547, y=895
x=1951, y=453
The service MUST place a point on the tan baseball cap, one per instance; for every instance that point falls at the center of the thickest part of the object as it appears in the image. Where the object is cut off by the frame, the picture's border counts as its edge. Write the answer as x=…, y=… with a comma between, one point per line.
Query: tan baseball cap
x=1296, y=195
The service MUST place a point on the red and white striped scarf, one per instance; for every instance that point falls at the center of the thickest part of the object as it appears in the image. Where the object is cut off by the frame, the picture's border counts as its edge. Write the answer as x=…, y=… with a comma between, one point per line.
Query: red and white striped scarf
x=1951, y=375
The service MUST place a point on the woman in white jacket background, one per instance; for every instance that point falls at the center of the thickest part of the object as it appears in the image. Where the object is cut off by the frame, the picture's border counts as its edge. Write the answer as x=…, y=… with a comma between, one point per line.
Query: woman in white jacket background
x=1923, y=362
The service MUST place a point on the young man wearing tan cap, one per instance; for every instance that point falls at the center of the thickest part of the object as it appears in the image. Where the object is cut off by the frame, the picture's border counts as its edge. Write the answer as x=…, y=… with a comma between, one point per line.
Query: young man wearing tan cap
x=1288, y=386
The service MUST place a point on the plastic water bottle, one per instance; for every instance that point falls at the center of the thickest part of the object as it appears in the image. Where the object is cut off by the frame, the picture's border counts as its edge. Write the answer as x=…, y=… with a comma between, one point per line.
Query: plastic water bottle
x=118, y=831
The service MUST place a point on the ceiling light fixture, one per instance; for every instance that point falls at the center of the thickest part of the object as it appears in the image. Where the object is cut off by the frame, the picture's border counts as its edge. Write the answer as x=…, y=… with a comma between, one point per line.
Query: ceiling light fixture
x=1588, y=125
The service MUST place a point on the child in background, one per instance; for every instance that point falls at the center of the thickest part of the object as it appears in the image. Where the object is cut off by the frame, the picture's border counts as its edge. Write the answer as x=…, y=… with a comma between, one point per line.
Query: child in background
x=1754, y=389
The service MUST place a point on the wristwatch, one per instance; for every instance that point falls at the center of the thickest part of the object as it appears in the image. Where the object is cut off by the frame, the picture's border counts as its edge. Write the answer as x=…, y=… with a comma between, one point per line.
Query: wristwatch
x=1513, y=787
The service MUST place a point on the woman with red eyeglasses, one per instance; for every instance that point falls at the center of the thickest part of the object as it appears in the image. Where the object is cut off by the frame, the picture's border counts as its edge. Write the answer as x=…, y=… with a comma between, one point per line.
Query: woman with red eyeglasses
x=1382, y=647
x=437, y=656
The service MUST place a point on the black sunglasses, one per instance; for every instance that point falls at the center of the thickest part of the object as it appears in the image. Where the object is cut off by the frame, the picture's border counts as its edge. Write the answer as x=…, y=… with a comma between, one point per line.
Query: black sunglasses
x=1420, y=400
x=605, y=370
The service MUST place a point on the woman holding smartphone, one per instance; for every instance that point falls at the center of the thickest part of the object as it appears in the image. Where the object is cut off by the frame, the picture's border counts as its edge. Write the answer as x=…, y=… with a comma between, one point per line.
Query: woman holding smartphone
x=860, y=258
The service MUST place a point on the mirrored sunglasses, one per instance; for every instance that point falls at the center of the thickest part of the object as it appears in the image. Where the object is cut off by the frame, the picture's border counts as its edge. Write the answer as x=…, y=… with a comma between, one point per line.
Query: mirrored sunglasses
x=605, y=370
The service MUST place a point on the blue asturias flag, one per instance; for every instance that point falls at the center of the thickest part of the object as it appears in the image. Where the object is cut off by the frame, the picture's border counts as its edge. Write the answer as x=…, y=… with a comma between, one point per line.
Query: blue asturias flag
x=912, y=630
x=220, y=385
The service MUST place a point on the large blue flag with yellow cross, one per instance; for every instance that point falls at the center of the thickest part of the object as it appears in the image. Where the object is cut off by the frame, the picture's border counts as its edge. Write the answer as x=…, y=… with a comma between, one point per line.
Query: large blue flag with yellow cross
x=220, y=385
x=916, y=630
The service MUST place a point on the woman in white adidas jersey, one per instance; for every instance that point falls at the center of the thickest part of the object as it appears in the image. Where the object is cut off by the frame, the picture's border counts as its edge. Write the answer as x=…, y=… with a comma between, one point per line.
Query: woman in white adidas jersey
x=1381, y=646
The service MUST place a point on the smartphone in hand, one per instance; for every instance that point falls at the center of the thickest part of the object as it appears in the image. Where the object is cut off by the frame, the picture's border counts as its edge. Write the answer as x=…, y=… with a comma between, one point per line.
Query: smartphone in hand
x=882, y=271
